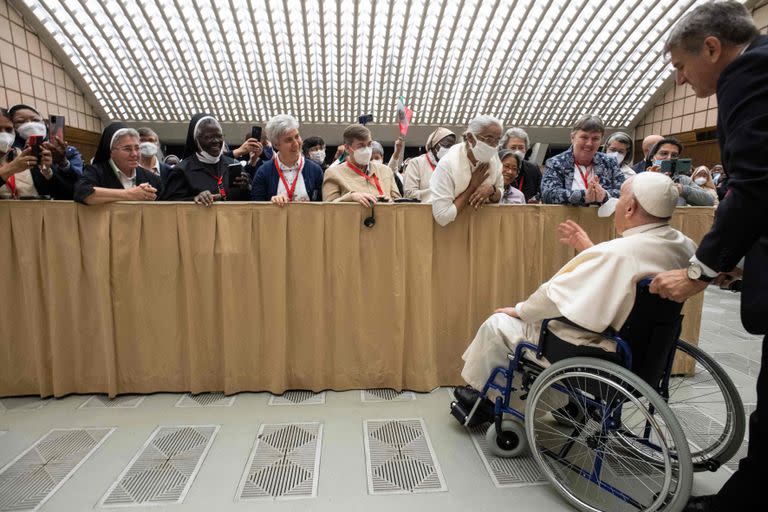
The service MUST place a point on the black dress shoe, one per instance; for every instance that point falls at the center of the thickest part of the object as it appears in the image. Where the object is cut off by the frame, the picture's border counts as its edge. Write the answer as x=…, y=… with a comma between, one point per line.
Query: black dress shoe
x=467, y=396
x=699, y=504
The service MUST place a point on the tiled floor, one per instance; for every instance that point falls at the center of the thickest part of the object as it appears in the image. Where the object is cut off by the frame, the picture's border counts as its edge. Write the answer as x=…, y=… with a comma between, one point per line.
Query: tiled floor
x=373, y=450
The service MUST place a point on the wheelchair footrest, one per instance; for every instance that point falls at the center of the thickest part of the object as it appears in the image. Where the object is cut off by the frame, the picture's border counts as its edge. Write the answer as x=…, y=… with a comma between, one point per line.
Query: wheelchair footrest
x=458, y=412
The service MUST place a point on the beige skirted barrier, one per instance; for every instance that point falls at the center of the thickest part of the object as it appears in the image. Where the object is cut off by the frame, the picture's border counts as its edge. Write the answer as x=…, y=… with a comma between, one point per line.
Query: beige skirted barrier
x=138, y=298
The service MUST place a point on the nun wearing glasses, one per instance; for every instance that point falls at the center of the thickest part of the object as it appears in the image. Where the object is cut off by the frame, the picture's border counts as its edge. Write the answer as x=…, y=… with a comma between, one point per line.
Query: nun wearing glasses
x=115, y=174
x=202, y=175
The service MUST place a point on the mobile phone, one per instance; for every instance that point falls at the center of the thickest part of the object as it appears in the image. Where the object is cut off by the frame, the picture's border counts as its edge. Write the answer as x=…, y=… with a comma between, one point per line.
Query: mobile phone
x=256, y=132
x=676, y=167
x=57, y=127
x=36, y=142
x=234, y=171
x=365, y=119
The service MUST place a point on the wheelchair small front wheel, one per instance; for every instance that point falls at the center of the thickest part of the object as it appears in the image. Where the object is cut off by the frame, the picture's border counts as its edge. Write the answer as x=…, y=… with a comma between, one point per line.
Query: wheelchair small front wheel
x=510, y=442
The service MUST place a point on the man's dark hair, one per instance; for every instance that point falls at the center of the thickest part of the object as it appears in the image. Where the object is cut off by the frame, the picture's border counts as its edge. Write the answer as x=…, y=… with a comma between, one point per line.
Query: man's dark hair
x=730, y=22
x=311, y=142
x=665, y=140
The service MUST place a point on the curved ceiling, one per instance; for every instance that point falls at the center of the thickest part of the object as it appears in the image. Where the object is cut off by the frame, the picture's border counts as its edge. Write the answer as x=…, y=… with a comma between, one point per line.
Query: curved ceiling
x=529, y=62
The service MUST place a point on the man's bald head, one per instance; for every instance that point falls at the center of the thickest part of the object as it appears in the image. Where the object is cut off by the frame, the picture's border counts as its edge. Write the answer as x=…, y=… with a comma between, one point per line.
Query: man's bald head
x=649, y=142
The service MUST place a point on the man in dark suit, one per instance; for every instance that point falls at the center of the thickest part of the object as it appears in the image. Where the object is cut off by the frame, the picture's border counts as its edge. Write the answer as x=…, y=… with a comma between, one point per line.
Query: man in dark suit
x=717, y=48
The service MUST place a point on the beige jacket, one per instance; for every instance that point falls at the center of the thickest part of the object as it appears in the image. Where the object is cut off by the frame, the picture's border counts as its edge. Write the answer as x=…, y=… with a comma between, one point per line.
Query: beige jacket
x=417, y=176
x=340, y=182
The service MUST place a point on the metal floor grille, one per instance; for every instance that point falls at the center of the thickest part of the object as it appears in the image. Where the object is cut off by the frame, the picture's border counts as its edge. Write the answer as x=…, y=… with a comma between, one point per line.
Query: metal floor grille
x=400, y=458
x=30, y=479
x=284, y=463
x=119, y=402
x=386, y=395
x=206, y=400
x=23, y=403
x=162, y=472
x=298, y=398
x=514, y=472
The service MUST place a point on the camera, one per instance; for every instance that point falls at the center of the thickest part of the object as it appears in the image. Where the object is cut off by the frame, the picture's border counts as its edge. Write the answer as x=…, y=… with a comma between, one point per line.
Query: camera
x=677, y=167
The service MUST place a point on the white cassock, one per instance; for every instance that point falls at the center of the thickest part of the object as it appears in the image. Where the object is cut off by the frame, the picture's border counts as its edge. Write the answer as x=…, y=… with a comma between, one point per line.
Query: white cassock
x=595, y=289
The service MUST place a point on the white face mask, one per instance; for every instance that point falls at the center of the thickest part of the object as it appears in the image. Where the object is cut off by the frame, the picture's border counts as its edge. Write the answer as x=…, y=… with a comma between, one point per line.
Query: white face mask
x=207, y=158
x=148, y=149
x=482, y=151
x=6, y=141
x=30, y=129
x=616, y=156
x=700, y=180
x=317, y=156
x=363, y=155
x=442, y=151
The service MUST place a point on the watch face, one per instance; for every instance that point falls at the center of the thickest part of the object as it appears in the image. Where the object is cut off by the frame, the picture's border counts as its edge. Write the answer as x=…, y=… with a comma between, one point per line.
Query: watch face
x=694, y=272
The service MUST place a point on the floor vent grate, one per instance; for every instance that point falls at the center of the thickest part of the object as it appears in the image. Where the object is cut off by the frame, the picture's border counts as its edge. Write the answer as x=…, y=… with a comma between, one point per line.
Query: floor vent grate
x=23, y=403
x=28, y=481
x=400, y=458
x=298, y=398
x=284, y=463
x=386, y=395
x=513, y=472
x=206, y=400
x=162, y=472
x=119, y=402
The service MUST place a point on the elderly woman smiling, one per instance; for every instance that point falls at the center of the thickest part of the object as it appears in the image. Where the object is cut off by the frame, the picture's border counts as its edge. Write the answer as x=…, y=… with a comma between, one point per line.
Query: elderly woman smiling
x=115, y=174
x=511, y=162
x=288, y=176
x=203, y=173
x=580, y=175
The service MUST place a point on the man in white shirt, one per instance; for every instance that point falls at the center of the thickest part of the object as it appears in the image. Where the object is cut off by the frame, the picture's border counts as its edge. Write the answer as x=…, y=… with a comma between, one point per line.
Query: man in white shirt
x=595, y=289
x=470, y=173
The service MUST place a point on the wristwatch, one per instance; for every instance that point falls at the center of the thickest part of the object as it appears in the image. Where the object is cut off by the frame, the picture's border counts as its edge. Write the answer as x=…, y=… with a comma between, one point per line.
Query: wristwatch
x=695, y=272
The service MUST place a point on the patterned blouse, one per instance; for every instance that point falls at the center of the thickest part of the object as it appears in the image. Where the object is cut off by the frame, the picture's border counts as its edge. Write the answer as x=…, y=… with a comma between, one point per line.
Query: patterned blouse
x=557, y=181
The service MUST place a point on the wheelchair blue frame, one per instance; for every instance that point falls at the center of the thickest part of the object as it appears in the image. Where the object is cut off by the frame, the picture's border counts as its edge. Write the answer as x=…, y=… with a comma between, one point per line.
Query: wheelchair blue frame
x=611, y=418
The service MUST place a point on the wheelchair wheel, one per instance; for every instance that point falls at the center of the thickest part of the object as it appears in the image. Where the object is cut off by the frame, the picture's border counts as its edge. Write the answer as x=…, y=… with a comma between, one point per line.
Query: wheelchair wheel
x=589, y=463
x=510, y=443
x=709, y=408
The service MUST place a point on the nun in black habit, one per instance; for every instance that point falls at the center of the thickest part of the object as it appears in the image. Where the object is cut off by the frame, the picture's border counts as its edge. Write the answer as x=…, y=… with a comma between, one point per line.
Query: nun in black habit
x=203, y=173
x=115, y=174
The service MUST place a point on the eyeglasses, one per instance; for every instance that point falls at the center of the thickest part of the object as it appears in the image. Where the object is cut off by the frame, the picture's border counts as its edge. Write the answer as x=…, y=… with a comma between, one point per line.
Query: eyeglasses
x=517, y=147
x=491, y=141
x=667, y=154
x=128, y=149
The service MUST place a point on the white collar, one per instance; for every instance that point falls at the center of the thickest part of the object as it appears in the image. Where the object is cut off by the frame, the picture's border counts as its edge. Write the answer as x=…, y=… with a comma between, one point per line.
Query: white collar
x=642, y=229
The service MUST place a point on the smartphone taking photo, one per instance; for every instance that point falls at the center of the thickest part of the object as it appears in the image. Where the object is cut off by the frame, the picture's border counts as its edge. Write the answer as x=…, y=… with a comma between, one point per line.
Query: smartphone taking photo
x=57, y=127
x=234, y=171
x=256, y=132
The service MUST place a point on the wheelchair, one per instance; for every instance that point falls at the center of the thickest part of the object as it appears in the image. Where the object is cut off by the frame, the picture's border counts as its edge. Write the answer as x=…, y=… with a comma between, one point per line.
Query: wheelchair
x=615, y=431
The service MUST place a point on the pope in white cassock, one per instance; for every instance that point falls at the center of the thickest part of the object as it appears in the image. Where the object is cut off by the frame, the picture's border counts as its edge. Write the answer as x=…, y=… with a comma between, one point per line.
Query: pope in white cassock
x=595, y=289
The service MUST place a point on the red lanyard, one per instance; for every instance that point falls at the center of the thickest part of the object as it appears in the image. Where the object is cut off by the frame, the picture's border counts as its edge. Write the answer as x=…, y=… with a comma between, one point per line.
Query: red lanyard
x=584, y=175
x=374, y=178
x=11, y=182
x=292, y=188
x=429, y=161
x=520, y=184
x=220, y=185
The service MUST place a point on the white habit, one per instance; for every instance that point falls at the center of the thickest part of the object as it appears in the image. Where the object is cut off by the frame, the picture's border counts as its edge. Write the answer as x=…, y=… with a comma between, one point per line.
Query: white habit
x=595, y=289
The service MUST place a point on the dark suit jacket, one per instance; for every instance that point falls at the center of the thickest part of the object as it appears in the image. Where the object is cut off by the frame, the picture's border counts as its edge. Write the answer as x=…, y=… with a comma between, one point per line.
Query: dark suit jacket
x=102, y=175
x=741, y=220
x=266, y=180
x=531, y=176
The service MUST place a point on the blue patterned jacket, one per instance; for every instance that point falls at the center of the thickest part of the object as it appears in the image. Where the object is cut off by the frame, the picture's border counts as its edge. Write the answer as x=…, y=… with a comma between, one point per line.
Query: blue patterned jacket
x=557, y=180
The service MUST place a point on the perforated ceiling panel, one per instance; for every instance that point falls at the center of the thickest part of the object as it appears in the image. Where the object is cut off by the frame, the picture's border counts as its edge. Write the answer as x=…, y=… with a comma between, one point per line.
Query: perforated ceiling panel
x=529, y=62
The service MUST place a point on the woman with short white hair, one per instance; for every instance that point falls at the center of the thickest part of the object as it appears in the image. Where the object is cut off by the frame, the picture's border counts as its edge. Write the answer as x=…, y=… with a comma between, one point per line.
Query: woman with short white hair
x=288, y=177
x=619, y=146
x=114, y=174
x=470, y=173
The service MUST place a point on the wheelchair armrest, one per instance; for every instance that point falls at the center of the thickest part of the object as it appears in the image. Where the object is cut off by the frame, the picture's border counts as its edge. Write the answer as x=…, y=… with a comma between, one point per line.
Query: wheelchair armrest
x=610, y=332
x=622, y=347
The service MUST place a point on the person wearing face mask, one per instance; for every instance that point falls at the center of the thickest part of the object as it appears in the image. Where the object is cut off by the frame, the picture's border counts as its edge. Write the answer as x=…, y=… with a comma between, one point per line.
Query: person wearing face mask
x=717, y=172
x=358, y=178
x=511, y=162
x=690, y=194
x=115, y=174
x=289, y=176
x=470, y=173
x=28, y=121
x=580, y=176
x=394, y=160
x=529, y=176
x=203, y=173
x=703, y=178
x=619, y=146
x=419, y=170
x=149, y=147
x=23, y=174
x=314, y=149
